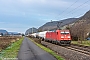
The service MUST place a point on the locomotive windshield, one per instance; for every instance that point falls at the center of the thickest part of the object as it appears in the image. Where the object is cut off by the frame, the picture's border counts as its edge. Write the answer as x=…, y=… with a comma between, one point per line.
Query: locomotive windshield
x=64, y=32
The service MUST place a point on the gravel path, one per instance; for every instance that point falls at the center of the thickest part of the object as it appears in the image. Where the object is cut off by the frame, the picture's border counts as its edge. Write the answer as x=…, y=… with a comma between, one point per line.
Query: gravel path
x=29, y=51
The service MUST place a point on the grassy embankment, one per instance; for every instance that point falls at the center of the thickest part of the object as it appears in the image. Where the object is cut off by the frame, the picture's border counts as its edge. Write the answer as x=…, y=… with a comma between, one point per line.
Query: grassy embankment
x=12, y=50
x=48, y=50
x=85, y=43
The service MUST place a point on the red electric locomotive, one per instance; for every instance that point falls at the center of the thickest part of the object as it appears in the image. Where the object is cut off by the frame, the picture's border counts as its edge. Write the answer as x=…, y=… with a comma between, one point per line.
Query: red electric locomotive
x=59, y=36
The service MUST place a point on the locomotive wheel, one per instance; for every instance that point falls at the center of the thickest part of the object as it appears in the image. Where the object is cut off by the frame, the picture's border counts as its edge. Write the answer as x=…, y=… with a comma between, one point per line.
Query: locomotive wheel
x=56, y=43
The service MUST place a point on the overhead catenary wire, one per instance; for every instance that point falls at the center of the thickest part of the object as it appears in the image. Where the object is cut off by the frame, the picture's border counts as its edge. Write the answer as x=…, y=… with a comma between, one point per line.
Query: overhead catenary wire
x=78, y=15
x=77, y=11
x=68, y=7
x=76, y=8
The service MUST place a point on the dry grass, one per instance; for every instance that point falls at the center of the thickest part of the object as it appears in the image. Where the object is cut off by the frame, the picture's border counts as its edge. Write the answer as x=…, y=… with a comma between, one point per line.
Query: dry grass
x=6, y=41
x=86, y=43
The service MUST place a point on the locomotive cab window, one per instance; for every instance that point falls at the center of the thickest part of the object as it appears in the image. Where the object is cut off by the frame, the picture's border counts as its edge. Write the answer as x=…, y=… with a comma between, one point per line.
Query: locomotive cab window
x=64, y=32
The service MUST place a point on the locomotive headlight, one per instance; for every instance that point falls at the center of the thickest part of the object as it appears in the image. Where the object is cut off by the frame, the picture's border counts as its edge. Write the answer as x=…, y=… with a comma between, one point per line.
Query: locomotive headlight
x=68, y=36
x=62, y=36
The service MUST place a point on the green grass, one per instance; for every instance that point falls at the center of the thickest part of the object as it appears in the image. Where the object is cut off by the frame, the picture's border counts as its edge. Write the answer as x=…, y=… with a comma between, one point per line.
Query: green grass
x=12, y=50
x=85, y=43
x=48, y=50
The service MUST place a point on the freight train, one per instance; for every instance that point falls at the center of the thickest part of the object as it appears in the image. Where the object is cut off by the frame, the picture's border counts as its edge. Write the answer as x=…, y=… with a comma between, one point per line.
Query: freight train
x=61, y=37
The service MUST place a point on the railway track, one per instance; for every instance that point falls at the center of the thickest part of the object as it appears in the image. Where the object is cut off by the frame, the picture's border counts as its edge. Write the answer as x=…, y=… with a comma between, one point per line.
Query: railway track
x=78, y=48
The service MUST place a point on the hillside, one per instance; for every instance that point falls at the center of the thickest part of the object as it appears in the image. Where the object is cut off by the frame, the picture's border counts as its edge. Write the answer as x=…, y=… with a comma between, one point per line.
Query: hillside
x=81, y=28
x=4, y=32
x=53, y=24
x=14, y=33
x=30, y=30
x=86, y=16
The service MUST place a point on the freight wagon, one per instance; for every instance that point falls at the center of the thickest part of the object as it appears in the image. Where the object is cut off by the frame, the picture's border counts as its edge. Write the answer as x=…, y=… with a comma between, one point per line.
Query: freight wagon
x=41, y=35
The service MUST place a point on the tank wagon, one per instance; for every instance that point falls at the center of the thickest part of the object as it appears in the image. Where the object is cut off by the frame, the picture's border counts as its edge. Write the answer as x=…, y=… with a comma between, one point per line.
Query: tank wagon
x=33, y=35
x=41, y=35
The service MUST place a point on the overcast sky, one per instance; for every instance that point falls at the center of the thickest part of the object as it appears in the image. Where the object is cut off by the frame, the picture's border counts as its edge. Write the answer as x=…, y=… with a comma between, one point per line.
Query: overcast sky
x=19, y=15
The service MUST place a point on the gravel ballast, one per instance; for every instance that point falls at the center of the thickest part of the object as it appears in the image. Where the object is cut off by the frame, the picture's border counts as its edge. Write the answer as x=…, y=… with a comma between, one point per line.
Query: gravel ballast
x=67, y=53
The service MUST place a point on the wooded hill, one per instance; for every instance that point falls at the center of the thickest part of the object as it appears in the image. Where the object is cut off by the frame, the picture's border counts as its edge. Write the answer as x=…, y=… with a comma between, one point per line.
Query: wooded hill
x=81, y=28
x=53, y=24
